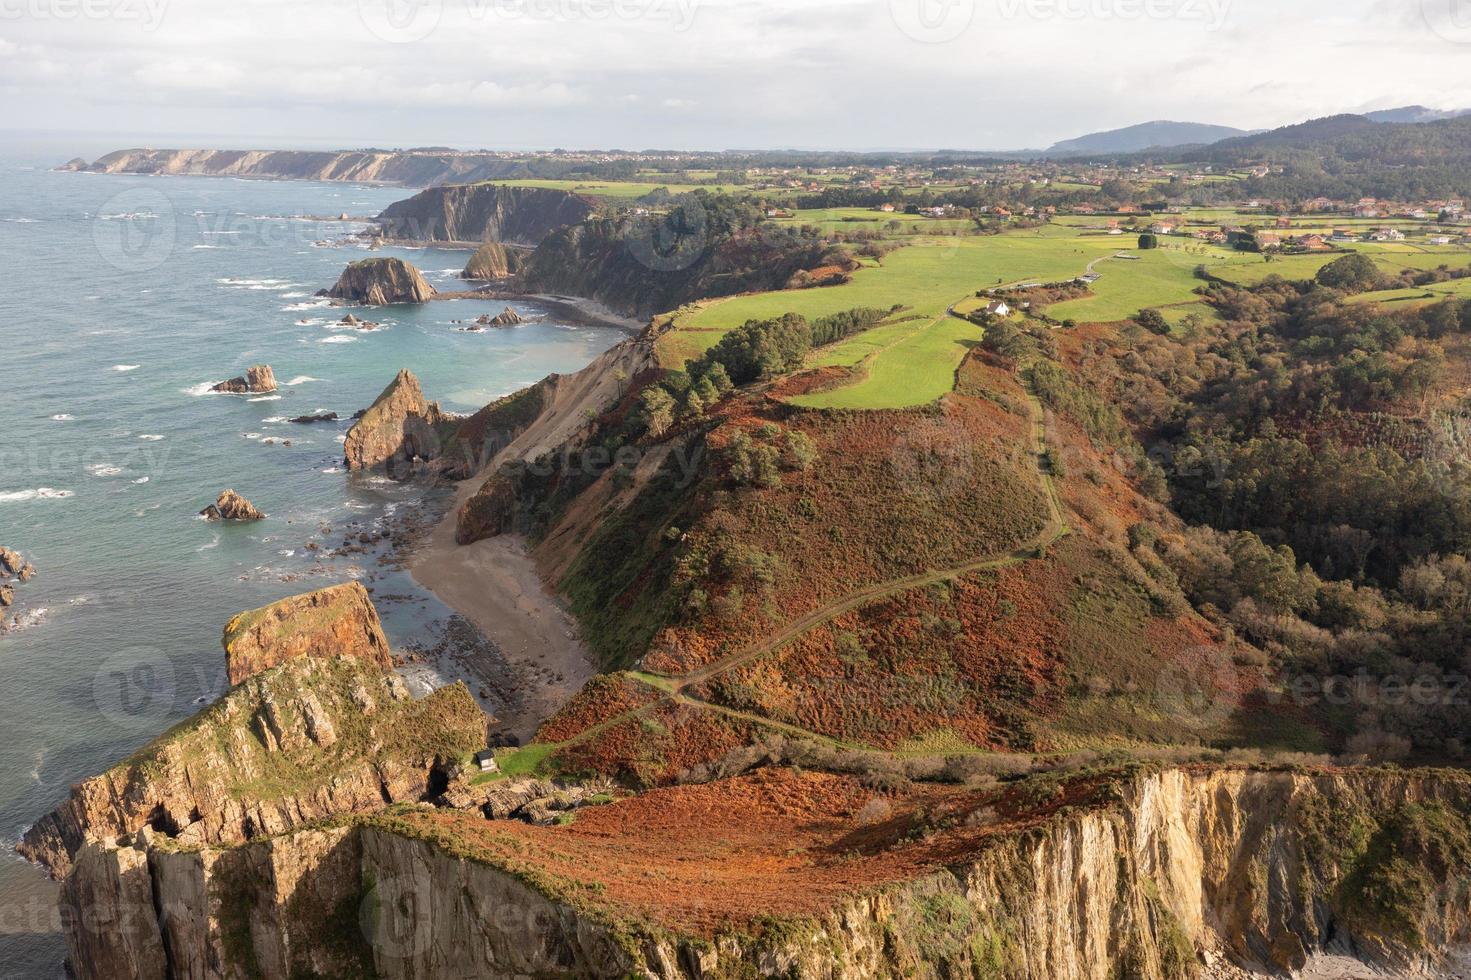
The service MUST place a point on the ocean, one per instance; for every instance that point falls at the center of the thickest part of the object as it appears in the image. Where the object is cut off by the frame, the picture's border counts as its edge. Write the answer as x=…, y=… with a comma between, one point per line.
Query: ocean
x=125, y=297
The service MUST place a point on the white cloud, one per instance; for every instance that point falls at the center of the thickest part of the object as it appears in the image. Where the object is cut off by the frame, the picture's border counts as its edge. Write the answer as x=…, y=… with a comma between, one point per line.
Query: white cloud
x=718, y=73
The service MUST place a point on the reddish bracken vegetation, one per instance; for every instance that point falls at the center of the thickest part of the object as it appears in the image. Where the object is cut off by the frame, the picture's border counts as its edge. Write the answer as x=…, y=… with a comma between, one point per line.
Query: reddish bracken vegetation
x=776, y=843
x=652, y=747
x=980, y=656
x=605, y=696
x=890, y=494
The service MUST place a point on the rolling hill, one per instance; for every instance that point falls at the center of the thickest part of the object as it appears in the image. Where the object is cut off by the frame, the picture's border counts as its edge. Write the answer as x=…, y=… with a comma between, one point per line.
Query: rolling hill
x=1145, y=136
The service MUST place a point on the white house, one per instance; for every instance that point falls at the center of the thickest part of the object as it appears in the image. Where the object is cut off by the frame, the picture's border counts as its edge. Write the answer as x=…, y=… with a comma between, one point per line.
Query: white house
x=998, y=308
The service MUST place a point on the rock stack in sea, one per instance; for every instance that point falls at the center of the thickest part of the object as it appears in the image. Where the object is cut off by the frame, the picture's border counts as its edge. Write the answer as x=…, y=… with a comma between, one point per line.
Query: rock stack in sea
x=400, y=430
x=259, y=379
x=357, y=323
x=14, y=570
x=231, y=507
x=379, y=282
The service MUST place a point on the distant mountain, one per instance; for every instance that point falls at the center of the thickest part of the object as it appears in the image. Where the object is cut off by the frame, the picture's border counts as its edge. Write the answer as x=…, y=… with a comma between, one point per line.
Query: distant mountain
x=1145, y=136
x=1348, y=157
x=1414, y=114
x=1301, y=135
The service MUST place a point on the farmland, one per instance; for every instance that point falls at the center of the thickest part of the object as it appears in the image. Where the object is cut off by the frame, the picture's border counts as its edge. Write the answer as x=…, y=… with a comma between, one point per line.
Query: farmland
x=944, y=264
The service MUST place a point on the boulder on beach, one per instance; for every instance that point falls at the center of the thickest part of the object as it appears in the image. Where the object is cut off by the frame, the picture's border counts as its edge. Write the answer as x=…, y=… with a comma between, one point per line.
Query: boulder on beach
x=399, y=428
x=379, y=282
x=258, y=380
x=231, y=507
x=492, y=261
x=332, y=622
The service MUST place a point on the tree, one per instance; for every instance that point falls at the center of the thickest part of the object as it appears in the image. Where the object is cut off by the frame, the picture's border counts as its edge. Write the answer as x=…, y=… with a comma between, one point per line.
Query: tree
x=1153, y=321
x=1353, y=273
x=1005, y=340
x=760, y=349
x=658, y=410
x=1148, y=240
x=800, y=451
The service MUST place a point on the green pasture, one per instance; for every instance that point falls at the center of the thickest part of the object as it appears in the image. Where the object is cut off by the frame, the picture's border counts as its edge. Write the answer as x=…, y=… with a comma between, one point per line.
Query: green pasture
x=911, y=370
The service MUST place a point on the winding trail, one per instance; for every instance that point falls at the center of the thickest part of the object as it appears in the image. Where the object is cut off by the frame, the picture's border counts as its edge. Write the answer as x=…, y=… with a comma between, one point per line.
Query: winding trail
x=676, y=686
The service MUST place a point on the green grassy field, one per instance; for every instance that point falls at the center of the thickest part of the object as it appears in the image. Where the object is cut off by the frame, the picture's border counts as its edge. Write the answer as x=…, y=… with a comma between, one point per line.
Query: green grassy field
x=614, y=190
x=911, y=370
x=926, y=276
x=1392, y=257
x=851, y=220
x=1418, y=295
x=912, y=361
x=1158, y=277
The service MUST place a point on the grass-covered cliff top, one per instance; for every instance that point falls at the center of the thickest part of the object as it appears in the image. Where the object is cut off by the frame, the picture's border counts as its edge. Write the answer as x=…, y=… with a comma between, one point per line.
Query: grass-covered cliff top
x=256, y=743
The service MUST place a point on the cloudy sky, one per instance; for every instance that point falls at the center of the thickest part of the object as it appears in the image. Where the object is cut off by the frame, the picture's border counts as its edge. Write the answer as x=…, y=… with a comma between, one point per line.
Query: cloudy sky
x=709, y=74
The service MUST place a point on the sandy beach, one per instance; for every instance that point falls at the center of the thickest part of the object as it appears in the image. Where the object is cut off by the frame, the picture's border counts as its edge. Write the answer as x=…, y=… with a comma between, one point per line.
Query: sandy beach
x=494, y=585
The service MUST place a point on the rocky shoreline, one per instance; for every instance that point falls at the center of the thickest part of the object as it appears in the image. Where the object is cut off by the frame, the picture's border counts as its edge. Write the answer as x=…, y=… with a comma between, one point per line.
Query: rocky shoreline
x=15, y=571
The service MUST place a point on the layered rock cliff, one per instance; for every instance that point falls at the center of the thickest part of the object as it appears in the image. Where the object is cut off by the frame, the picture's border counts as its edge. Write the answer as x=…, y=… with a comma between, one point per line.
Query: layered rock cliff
x=337, y=621
x=640, y=266
x=379, y=282
x=554, y=414
x=411, y=168
x=1263, y=867
x=399, y=430
x=484, y=213
x=492, y=260
x=304, y=741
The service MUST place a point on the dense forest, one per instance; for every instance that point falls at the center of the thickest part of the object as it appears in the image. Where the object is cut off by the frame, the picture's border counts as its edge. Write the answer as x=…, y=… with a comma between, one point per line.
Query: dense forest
x=1317, y=449
x=1348, y=157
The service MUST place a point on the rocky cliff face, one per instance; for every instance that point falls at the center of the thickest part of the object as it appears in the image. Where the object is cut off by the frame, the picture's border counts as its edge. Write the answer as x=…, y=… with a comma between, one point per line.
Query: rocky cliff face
x=411, y=168
x=379, y=282
x=399, y=431
x=492, y=261
x=484, y=213
x=552, y=414
x=305, y=741
x=642, y=266
x=1265, y=867
x=339, y=621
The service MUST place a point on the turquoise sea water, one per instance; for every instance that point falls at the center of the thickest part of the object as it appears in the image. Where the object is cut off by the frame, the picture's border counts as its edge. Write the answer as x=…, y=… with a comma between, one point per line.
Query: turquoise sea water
x=123, y=298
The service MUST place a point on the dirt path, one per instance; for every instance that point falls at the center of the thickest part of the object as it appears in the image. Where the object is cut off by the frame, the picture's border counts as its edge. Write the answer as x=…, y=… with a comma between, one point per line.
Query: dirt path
x=1055, y=529
x=676, y=686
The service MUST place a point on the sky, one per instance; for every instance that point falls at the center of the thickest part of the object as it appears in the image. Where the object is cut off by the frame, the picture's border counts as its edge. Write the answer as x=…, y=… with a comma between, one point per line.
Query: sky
x=707, y=74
